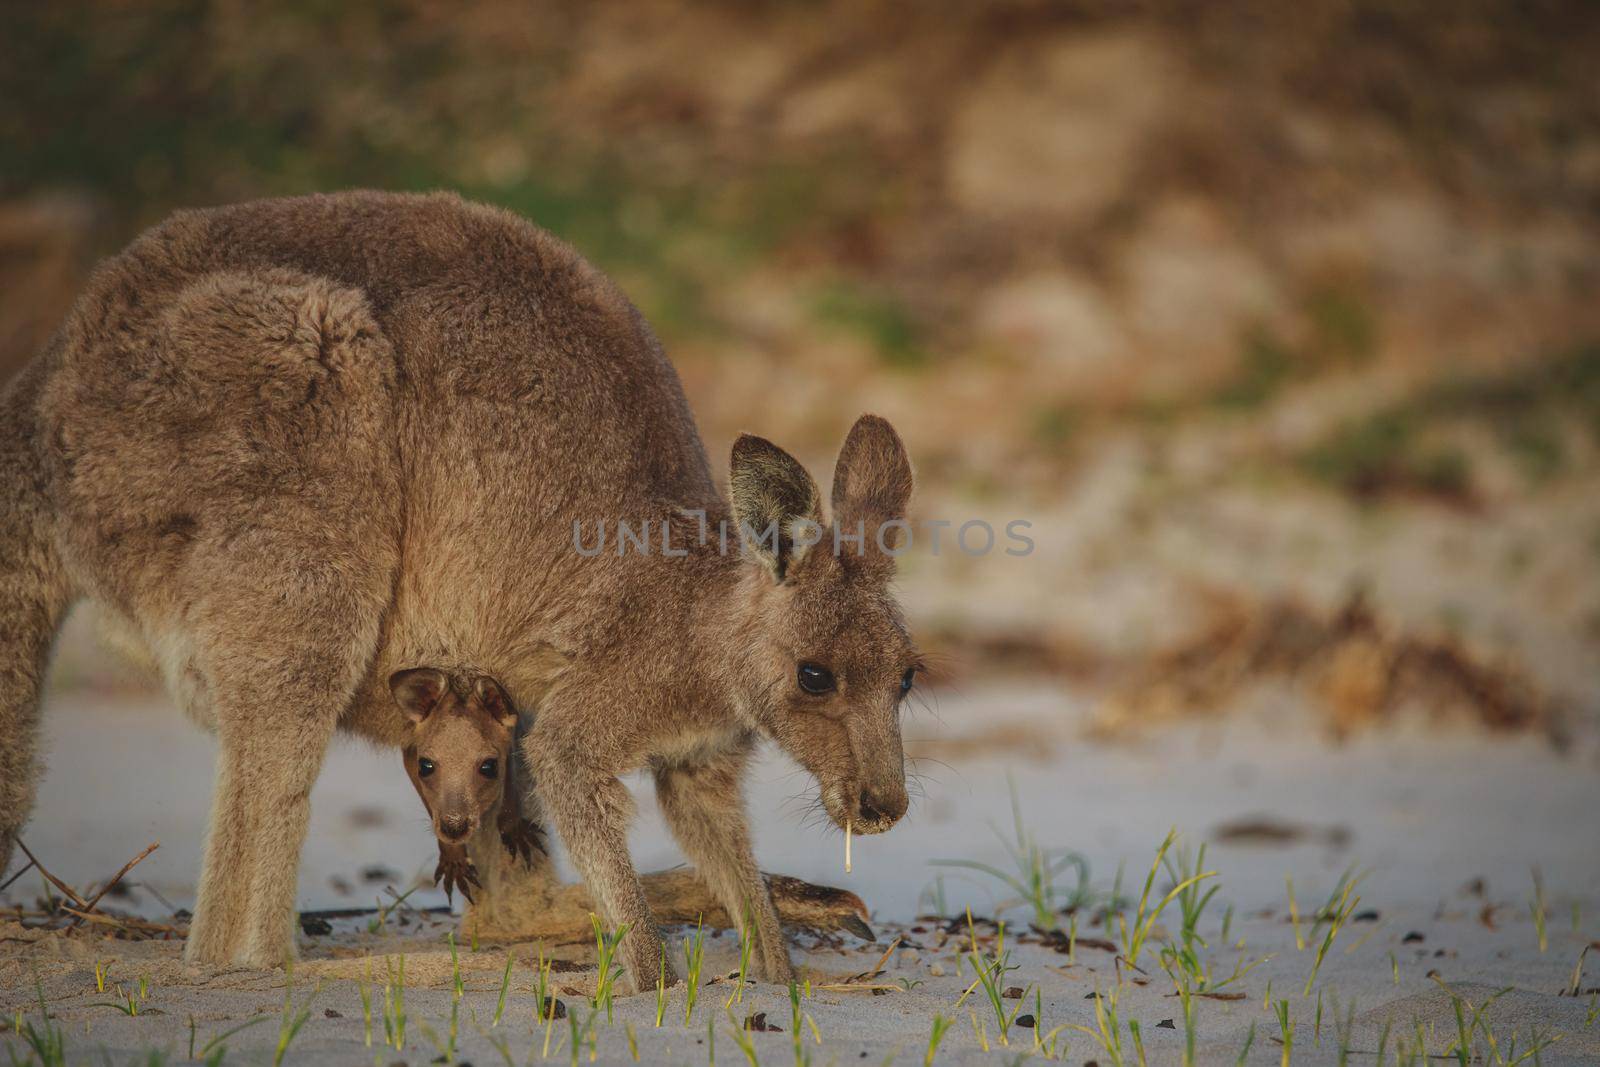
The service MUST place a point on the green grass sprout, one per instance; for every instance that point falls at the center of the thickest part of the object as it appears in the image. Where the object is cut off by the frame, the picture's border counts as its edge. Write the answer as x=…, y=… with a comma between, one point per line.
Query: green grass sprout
x=1036, y=872
x=606, y=959
x=694, y=955
x=1145, y=916
x=1340, y=915
x=1285, y=1029
x=1536, y=908
x=940, y=1025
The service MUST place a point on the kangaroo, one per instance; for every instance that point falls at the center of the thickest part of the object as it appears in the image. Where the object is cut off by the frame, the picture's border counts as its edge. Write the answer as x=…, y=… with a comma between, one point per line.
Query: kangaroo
x=459, y=762
x=300, y=444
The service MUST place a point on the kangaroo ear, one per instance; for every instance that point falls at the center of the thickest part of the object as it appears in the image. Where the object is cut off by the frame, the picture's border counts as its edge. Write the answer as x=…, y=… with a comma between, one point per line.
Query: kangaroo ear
x=418, y=691
x=872, y=482
x=495, y=701
x=775, y=503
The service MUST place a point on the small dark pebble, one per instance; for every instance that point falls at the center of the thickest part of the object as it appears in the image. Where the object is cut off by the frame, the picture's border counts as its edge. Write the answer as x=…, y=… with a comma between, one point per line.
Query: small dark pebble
x=1412, y=938
x=919, y=929
x=1166, y=1024
x=560, y=1009
x=183, y=913
x=880, y=992
x=1090, y=996
x=1433, y=972
x=329, y=1013
x=1013, y=992
x=315, y=927
x=758, y=1023
x=1368, y=916
x=1025, y=1020
x=378, y=873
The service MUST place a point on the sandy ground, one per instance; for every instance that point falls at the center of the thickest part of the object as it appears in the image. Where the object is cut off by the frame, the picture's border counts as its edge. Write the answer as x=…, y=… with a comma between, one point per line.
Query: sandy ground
x=1445, y=826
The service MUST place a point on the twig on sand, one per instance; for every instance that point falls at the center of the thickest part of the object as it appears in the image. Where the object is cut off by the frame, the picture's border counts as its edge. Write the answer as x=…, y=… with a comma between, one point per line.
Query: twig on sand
x=126, y=867
x=24, y=869
x=876, y=968
x=356, y=913
x=52, y=879
x=143, y=926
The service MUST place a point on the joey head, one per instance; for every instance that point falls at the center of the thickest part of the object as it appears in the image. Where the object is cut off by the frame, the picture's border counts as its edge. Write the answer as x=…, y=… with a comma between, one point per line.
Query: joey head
x=459, y=759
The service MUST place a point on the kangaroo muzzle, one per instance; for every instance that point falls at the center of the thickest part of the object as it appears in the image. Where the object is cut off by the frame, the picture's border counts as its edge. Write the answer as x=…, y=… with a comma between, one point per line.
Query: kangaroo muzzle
x=879, y=806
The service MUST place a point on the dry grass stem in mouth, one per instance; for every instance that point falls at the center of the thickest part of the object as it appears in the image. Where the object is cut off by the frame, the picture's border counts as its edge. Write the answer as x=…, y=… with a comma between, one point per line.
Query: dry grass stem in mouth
x=847, y=846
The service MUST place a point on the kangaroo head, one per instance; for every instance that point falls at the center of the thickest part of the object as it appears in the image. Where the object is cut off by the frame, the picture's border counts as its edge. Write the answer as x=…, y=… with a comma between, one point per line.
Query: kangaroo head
x=460, y=746
x=831, y=658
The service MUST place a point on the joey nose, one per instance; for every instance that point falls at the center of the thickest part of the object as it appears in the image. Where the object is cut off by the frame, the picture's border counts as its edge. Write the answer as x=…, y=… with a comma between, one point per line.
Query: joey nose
x=454, y=827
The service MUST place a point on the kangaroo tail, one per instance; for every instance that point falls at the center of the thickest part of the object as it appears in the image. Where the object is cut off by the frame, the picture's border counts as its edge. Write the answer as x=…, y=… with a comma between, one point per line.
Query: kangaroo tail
x=34, y=596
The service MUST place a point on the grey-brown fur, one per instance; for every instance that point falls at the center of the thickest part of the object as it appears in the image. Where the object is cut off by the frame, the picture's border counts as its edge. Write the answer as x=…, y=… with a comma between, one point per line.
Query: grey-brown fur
x=301, y=444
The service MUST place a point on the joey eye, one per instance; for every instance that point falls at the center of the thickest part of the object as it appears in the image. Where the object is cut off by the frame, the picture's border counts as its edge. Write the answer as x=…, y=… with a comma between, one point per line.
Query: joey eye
x=907, y=680
x=424, y=767
x=815, y=679
x=489, y=768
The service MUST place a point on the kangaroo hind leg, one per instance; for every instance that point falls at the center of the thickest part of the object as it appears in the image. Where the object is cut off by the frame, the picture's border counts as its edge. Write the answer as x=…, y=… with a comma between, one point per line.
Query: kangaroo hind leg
x=34, y=596
x=281, y=667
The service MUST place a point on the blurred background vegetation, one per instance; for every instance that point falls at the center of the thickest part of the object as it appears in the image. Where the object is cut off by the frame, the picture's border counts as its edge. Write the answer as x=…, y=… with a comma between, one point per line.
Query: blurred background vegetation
x=1257, y=311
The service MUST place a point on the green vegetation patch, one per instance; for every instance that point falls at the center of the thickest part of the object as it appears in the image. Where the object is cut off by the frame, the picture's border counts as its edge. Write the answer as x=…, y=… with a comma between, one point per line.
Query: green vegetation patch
x=1395, y=452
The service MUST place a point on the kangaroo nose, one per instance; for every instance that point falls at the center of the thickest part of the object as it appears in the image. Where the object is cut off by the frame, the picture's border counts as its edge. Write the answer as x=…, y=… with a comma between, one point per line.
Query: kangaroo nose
x=876, y=808
x=455, y=827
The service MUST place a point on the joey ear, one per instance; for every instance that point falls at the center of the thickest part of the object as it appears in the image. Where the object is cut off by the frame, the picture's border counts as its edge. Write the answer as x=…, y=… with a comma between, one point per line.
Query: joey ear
x=418, y=691
x=872, y=481
x=775, y=503
x=495, y=701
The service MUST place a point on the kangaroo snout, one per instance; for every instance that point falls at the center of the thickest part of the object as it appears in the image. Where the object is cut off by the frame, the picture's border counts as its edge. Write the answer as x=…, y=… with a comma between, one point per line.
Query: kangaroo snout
x=880, y=807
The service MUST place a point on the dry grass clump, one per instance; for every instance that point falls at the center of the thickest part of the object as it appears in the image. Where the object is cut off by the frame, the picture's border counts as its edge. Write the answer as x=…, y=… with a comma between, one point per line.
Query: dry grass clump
x=1354, y=668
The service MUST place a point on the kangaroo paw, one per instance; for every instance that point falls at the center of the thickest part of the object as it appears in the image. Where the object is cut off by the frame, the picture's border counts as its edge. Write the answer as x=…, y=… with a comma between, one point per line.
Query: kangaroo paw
x=523, y=839
x=456, y=872
x=679, y=896
x=821, y=907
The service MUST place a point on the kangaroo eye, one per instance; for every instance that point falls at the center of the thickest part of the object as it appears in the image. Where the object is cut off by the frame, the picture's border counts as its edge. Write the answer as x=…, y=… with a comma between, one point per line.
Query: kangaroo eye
x=489, y=768
x=907, y=679
x=424, y=767
x=815, y=680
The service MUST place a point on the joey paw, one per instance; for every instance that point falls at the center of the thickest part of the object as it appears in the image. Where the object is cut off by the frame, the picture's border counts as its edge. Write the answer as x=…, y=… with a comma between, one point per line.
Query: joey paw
x=522, y=839
x=456, y=872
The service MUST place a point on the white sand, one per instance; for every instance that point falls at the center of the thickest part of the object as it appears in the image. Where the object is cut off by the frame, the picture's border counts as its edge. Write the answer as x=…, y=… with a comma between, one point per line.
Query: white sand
x=1426, y=814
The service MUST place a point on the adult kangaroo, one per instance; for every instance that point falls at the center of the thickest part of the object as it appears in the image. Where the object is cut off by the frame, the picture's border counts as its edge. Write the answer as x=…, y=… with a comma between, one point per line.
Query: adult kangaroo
x=299, y=445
